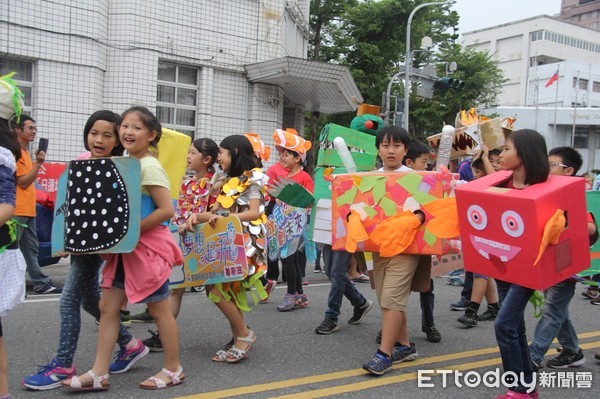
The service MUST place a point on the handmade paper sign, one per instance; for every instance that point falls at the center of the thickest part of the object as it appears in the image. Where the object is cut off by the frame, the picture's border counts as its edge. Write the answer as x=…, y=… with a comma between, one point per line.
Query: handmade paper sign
x=98, y=207
x=375, y=197
x=211, y=255
x=519, y=236
x=285, y=227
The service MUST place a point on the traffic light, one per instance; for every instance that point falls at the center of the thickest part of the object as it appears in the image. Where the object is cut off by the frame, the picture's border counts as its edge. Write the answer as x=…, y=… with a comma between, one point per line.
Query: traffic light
x=446, y=83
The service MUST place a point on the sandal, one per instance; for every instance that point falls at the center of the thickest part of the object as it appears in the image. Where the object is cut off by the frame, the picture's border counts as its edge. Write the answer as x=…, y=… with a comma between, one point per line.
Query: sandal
x=177, y=378
x=236, y=354
x=220, y=356
x=98, y=383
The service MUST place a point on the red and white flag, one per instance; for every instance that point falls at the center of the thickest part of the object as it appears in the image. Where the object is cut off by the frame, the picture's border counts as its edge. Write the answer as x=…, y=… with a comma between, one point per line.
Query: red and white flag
x=553, y=78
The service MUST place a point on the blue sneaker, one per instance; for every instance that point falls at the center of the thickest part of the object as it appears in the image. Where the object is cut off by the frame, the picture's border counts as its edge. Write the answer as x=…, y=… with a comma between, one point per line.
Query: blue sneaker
x=126, y=358
x=403, y=353
x=461, y=305
x=379, y=365
x=49, y=376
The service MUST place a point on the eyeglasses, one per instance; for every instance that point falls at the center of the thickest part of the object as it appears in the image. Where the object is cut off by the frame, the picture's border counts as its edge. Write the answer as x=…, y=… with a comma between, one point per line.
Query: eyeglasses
x=554, y=164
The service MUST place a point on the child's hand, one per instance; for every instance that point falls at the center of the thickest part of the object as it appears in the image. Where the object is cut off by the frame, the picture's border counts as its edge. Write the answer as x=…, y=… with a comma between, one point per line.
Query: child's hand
x=190, y=223
x=485, y=149
x=213, y=220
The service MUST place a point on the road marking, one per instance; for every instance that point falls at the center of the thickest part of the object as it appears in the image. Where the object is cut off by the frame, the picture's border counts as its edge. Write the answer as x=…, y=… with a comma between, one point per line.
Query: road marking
x=380, y=381
x=271, y=386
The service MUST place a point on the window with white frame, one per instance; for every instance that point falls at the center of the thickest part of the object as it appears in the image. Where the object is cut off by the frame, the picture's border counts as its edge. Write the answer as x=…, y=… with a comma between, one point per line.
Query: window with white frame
x=23, y=78
x=177, y=97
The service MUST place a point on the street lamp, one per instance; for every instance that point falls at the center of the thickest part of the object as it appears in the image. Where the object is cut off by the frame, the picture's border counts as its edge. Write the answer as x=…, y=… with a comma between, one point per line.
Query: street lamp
x=408, y=60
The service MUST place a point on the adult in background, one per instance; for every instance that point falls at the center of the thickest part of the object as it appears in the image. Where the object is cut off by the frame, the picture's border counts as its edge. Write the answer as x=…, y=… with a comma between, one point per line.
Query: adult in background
x=27, y=171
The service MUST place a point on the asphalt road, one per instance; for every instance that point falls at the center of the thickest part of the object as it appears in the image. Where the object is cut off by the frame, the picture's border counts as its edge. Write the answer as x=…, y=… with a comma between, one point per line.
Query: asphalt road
x=289, y=359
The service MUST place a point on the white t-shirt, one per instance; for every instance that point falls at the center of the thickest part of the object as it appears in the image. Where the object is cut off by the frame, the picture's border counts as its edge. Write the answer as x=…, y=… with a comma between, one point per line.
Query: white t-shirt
x=402, y=168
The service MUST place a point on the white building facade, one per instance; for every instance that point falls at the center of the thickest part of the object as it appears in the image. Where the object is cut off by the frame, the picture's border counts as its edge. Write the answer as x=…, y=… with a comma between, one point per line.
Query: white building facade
x=208, y=68
x=530, y=52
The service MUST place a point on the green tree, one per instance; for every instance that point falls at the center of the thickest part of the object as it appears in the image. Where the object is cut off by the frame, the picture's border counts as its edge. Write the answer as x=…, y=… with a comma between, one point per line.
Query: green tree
x=483, y=81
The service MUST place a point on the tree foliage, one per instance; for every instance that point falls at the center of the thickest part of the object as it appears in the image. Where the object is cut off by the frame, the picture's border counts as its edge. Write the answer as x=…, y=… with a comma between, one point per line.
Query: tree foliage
x=483, y=80
x=369, y=36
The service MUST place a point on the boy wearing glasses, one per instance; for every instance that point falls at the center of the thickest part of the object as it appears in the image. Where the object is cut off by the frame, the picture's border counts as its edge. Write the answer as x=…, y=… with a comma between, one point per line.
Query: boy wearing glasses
x=555, y=322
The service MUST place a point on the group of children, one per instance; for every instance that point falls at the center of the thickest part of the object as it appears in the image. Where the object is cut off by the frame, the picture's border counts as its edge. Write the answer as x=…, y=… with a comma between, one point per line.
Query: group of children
x=138, y=131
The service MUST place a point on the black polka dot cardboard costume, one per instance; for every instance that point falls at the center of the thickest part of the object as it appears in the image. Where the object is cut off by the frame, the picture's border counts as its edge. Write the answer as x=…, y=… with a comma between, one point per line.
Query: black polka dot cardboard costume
x=98, y=207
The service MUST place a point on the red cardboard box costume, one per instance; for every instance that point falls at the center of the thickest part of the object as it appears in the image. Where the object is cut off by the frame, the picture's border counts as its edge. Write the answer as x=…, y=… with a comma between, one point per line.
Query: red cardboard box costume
x=508, y=233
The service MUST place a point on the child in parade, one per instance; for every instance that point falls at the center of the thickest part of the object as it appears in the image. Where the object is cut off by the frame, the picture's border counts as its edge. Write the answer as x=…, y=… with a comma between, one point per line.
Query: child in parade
x=140, y=276
x=482, y=286
x=12, y=263
x=525, y=155
x=241, y=195
x=81, y=290
x=393, y=276
x=274, y=172
x=416, y=158
x=291, y=158
x=555, y=321
x=201, y=156
x=262, y=153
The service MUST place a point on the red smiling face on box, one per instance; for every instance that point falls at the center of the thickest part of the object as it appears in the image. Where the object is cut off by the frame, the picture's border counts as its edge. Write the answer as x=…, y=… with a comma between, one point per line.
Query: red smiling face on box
x=501, y=229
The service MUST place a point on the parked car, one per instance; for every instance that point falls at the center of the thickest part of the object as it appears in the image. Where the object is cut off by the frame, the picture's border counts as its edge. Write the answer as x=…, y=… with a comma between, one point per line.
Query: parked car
x=43, y=220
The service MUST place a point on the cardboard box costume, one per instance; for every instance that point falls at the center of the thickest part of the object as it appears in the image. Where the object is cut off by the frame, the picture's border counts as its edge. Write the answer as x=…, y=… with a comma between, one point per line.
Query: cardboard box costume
x=507, y=233
x=377, y=197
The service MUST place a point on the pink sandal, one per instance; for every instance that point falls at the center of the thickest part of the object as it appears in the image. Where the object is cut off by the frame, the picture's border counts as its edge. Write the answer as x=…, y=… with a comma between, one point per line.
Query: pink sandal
x=98, y=383
x=177, y=378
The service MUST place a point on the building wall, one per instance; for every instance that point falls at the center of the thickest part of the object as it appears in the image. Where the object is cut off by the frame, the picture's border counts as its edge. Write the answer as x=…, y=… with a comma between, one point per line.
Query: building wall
x=585, y=13
x=90, y=55
x=514, y=48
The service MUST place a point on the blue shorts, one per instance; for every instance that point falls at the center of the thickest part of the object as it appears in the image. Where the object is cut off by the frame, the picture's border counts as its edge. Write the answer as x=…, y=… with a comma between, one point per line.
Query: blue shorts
x=160, y=294
x=475, y=275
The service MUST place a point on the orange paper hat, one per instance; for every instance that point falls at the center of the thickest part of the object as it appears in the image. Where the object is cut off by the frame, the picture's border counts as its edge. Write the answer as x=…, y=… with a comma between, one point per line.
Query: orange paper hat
x=260, y=149
x=290, y=140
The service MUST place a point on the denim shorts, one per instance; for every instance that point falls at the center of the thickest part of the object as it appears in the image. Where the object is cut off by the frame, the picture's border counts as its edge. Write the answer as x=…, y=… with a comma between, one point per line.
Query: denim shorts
x=160, y=294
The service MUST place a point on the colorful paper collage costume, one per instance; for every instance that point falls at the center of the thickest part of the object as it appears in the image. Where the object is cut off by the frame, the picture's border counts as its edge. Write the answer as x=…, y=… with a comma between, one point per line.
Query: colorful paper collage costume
x=98, y=207
x=519, y=236
x=233, y=198
x=374, y=212
x=593, y=206
x=361, y=144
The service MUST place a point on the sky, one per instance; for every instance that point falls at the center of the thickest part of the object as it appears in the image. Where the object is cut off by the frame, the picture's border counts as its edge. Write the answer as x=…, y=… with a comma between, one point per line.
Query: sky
x=477, y=14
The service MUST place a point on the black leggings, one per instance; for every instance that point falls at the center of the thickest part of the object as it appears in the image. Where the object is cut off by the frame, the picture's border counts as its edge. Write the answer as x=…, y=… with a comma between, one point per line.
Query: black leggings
x=292, y=269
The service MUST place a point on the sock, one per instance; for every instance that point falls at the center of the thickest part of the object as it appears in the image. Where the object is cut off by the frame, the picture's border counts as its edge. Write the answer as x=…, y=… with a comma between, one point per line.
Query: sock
x=473, y=308
x=493, y=306
x=378, y=351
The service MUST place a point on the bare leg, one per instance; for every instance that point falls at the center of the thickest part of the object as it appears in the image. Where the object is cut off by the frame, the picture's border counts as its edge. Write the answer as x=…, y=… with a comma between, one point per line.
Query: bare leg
x=3, y=369
x=110, y=303
x=235, y=317
x=169, y=337
x=394, y=328
x=479, y=289
x=175, y=300
x=491, y=293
